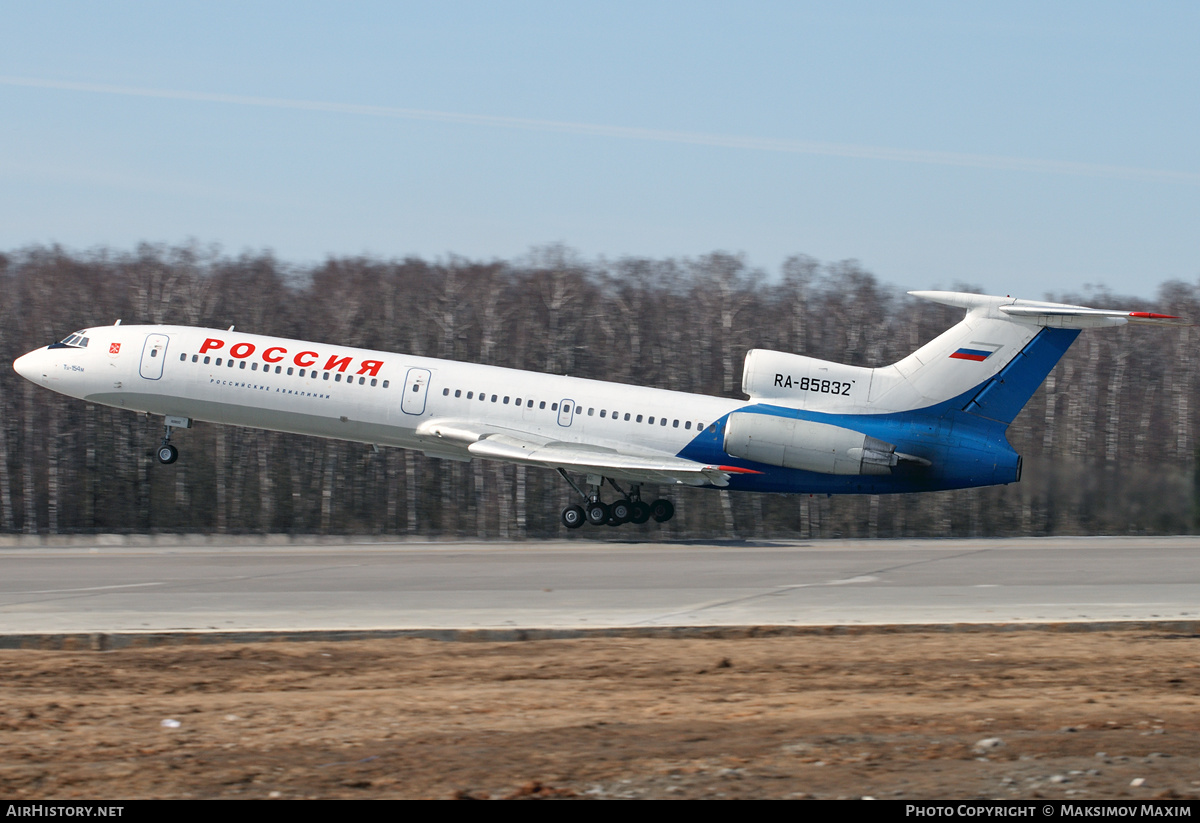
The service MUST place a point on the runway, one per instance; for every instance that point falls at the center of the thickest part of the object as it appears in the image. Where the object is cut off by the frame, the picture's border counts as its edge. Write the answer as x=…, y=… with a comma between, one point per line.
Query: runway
x=104, y=585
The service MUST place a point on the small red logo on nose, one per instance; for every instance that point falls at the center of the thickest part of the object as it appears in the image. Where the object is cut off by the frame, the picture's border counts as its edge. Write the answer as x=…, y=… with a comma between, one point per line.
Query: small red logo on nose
x=114, y=348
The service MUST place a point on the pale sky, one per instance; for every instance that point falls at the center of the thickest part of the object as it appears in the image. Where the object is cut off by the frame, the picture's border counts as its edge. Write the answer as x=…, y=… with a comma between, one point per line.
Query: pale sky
x=1025, y=148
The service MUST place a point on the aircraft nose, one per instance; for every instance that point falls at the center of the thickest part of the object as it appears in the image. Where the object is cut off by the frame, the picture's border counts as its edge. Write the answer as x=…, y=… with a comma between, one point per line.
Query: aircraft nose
x=27, y=365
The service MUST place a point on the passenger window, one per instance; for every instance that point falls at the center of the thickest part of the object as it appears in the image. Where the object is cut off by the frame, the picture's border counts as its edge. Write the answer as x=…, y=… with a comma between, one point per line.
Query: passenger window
x=675, y=424
x=195, y=358
x=626, y=417
x=639, y=419
x=373, y=381
x=385, y=384
x=337, y=378
x=470, y=395
x=445, y=392
x=506, y=398
x=603, y=412
x=362, y=381
x=590, y=412
x=289, y=368
x=493, y=398
x=529, y=405
x=154, y=353
x=688, y=425
x=651, y=421
x=662, y=421
x=541, y=405
x=253, y=367
x=241, y=364
x=279, y=369
x=553, y=407
x=207, y=359
x=457, y=392
x=182, y=358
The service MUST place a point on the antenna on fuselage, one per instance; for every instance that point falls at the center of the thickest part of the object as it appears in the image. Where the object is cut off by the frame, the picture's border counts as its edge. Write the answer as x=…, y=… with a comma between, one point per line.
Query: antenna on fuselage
x=118, y=322
x=231, y=328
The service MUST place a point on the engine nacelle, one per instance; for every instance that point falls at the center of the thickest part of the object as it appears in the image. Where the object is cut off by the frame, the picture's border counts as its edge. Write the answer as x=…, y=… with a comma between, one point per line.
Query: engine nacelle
x=804, y=444
x=805, y=382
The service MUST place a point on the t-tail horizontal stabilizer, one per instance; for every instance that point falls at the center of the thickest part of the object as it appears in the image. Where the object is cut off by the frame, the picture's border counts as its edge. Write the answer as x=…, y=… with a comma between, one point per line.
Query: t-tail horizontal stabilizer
x=1030, y=335
x=1056, y=315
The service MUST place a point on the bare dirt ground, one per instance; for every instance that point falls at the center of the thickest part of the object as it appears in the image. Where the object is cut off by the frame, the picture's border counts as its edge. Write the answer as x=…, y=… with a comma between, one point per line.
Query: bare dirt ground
x=1017, y=714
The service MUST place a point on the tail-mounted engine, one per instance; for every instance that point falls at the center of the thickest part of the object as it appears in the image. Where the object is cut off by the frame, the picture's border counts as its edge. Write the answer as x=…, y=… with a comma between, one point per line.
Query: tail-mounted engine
x=804, y=444
x=805, y=382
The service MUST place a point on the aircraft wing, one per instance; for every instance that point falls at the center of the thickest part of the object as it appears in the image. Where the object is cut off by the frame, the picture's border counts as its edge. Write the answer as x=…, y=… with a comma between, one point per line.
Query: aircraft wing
x=630, y=464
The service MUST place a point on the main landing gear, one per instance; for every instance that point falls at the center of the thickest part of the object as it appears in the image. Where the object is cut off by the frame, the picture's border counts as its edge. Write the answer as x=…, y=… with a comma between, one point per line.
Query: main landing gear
x=168, y=454
x=628, y=509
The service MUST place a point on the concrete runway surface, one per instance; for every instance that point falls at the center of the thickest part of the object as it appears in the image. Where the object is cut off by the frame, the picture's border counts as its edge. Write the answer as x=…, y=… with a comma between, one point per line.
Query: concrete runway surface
x=106, y=584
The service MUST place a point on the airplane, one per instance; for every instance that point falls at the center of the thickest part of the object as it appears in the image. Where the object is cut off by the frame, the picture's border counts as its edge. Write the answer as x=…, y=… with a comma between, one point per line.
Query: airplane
x=935, y=420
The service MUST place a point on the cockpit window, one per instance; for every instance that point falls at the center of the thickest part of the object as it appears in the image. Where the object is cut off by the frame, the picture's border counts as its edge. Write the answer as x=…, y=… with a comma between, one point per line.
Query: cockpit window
x=72, y=341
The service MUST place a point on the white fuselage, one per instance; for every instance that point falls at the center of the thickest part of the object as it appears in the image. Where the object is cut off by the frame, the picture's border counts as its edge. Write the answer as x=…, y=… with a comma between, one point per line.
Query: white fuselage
x=356, y=394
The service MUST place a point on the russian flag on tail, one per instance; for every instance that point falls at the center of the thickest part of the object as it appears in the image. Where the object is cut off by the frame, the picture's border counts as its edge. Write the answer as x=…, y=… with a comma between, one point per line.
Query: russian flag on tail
x=978, y=355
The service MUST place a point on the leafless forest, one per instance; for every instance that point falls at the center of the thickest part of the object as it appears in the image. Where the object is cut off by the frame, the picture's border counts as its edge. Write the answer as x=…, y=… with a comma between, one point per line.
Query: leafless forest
x=1108, y=442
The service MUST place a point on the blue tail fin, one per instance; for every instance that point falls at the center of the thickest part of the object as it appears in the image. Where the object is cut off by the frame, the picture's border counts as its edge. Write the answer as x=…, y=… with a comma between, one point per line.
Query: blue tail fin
x=1003, y=397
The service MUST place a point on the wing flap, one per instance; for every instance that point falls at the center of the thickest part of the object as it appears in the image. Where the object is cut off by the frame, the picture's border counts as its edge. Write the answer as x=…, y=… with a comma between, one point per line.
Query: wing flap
x=638, y=468
x=635, y=466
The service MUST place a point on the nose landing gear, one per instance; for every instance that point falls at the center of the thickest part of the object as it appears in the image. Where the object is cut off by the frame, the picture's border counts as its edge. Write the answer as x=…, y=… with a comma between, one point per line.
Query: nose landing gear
x=168, y=454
